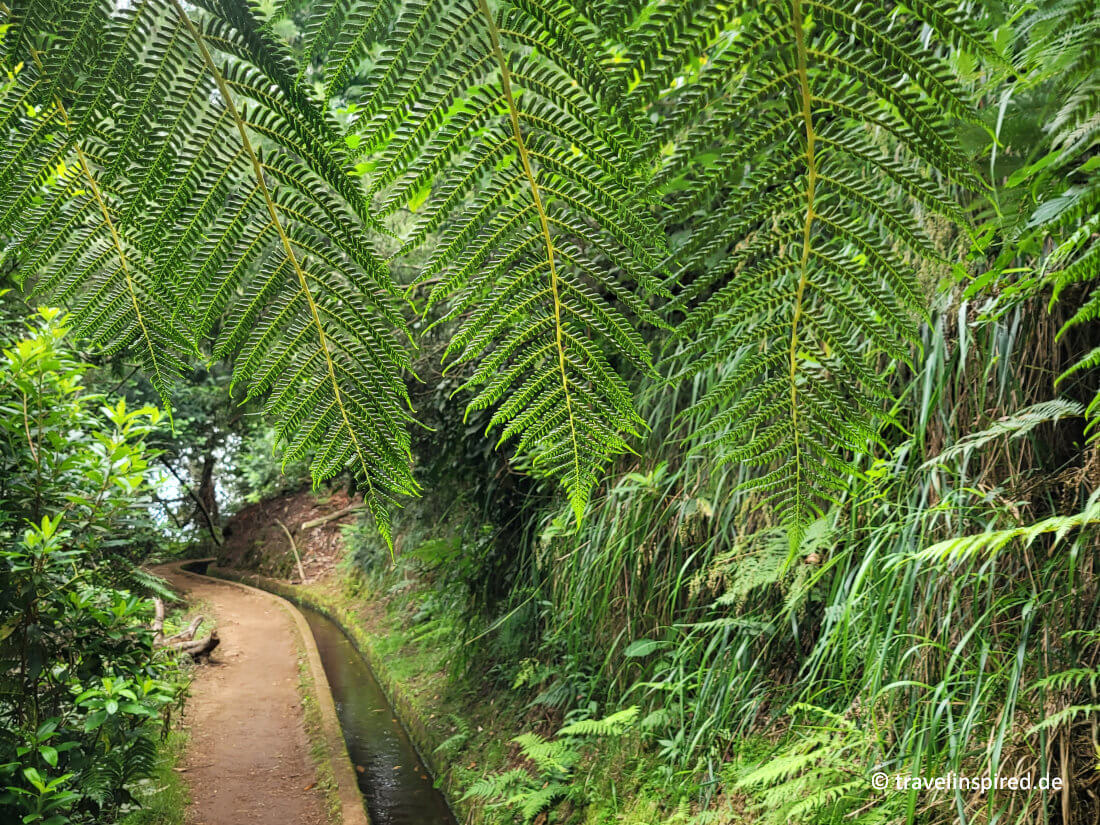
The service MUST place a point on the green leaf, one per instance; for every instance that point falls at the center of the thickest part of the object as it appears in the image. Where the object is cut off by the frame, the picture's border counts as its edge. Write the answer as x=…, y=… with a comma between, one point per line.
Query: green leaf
x=642, y=647
x=49, y=754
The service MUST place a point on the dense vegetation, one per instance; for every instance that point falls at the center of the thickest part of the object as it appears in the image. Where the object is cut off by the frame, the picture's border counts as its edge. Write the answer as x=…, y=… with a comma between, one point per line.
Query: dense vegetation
x=794, y=300
x=83, y=697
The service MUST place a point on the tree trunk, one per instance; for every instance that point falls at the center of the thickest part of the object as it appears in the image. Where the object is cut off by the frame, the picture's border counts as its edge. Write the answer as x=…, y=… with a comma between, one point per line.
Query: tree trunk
x=212, y=528
x=208, y=498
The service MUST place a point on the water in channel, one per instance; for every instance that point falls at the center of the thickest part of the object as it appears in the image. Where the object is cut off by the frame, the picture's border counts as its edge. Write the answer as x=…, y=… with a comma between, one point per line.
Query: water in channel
x=395, y=784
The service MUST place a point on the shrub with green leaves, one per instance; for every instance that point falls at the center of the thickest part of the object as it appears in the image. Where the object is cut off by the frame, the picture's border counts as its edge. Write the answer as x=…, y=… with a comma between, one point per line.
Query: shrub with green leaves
x=83, y=695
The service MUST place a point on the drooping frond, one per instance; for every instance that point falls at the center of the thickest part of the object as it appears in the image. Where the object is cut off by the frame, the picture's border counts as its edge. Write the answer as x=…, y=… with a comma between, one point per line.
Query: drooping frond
x=169, y=174
x=1013, y=426
x=167, y=179
x=802, y=138
x=984, y=545
x=542, y=249
x=64, y=209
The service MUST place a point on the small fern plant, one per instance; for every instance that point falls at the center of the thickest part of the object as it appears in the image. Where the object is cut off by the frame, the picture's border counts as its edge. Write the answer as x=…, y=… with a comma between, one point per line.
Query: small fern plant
x=548, y=777
x=457, y=740
x=817, y=775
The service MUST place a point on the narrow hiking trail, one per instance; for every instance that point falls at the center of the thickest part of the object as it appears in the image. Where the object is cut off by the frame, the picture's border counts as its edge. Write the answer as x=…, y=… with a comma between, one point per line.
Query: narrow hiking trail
x=247, y=758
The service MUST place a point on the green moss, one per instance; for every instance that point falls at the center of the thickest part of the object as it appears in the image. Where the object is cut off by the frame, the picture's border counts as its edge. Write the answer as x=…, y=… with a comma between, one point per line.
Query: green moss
x=318, y=747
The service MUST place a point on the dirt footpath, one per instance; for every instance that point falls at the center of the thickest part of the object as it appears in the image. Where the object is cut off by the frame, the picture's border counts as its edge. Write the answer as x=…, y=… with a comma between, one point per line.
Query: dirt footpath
x=247, y=756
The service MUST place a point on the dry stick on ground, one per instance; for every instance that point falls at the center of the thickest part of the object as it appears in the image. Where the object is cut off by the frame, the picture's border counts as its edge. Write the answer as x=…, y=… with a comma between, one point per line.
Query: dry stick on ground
x=317, y=522
x=187, y=634
x=294, y=549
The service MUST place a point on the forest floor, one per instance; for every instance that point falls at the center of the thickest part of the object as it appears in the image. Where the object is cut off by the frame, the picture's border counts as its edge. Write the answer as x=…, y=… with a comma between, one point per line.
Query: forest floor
x=248, y=755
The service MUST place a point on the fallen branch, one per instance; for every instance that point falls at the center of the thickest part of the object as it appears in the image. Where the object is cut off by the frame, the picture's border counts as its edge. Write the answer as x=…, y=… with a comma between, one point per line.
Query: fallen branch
x=184, y=641
x=294, y=549
x=199, y=647
x=187, y=634
x=347, y=511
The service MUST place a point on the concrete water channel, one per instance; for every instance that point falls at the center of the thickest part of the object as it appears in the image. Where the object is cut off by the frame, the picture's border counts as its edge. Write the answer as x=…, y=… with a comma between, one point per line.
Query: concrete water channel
x=395, y=783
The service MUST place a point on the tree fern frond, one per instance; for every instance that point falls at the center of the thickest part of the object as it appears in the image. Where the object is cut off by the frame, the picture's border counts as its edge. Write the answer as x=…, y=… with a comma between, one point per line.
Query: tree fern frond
x=544, y=250
x=115, y=301
x=149, y=209
x=799, y=269
x=365, y=393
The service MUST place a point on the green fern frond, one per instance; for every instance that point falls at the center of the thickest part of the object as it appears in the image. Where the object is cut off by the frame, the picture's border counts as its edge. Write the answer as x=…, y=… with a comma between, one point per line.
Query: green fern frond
x=544, y=253
x=497, y=785
x=614, y=724
x=532, y=803
x=1068, y=680
x=828, y=127
x=145, y=203
x=1066, y=716
x=554, y=757
x=966, y=548
x=1013, y=426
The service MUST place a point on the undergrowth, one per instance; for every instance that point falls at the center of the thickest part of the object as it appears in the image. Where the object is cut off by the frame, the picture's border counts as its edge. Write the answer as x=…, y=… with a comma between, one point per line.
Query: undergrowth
x=163, y=796
x=772, y=681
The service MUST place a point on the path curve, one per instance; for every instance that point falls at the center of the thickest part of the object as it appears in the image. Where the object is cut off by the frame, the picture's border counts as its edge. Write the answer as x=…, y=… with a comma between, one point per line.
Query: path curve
x=248, y=756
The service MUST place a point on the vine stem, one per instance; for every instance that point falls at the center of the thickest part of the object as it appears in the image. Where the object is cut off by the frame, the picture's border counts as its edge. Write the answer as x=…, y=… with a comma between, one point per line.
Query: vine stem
x=513, y=112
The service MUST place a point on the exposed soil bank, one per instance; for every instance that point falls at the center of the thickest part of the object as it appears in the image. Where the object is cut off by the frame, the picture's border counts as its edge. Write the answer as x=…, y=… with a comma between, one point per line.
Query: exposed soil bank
x=255, y=539
x=248, y=756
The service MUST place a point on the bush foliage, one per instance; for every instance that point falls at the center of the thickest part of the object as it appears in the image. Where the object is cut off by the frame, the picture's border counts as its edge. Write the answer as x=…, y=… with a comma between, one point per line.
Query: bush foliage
x=84, y=698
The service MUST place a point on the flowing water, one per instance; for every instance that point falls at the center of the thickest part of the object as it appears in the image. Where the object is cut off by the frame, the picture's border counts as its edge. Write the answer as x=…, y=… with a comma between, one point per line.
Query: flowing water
x=395, y=783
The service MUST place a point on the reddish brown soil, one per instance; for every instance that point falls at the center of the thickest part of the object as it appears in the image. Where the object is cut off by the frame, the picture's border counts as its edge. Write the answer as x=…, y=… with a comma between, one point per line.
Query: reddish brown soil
x=254, y=540
x=247, y=757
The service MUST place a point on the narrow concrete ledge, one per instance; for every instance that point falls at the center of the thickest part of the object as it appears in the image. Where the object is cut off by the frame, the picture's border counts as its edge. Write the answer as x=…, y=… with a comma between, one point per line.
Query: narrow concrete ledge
x=352, y=809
